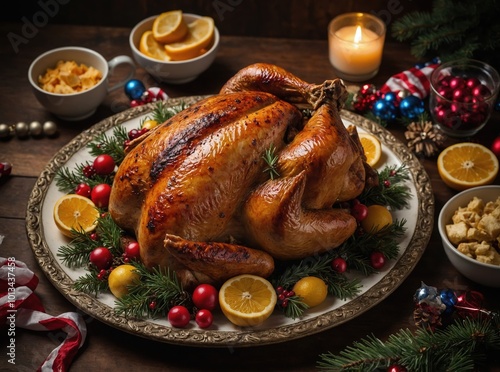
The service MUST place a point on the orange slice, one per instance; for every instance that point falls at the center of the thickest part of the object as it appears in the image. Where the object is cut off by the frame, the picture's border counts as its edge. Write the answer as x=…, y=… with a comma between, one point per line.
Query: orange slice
x=152, y=48
x=247, y=300
x=465, y=165
x=169, y=27
x=372, y=148
x=75, y=212
x=199, y=37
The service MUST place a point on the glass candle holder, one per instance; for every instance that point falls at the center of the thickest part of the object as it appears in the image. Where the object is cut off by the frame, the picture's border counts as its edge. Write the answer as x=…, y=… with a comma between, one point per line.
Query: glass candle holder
x=356, y=42
x=462, y=96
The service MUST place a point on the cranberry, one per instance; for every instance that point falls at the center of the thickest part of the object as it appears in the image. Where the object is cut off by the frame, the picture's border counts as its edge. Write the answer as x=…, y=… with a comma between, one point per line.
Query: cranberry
x=179, y=316
x=204, y=318
x=205, y=296
x=377, y=260
x=339, y=265
x=101, y=257
x=359, y=211
x=104, y=164
x=83, y=189
x=132, y=250
x=100, y=195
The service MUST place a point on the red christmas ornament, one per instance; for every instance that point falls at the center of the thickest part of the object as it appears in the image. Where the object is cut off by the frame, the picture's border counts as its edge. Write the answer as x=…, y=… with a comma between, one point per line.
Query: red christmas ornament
x=495, y=146
x=5, y=169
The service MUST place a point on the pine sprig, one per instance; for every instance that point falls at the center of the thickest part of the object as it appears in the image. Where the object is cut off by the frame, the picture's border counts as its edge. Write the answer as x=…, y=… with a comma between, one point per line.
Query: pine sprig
x=391, y=190
x=161, y=113
x=271, y=160
x=90, y=283
x=459, y=347
x=109, y=234
x=158, y=286
x=110, y=145
x=76, y=253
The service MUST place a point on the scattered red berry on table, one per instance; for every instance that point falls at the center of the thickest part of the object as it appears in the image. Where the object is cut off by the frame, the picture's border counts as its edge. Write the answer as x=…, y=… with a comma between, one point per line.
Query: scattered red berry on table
x=104, y=164
x=100, y=195
x=179, y=316
x=205, y=296
x=101, y=257
x=204, y=318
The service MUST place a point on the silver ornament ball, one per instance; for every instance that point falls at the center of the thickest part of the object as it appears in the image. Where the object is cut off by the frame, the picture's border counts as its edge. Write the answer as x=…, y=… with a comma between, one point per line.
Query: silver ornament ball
x=5, y=131
x=36, y=128
x=49, y=128
x=22, y=129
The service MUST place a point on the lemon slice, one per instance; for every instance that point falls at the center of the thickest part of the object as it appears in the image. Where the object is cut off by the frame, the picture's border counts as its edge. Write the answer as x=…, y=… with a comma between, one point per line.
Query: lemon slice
x=169, y=27
x=121, y=278
x=465, y=165
x=247, y=300
x=372, y=148
x=152, y=48
x=200, y=35
x=75, y=212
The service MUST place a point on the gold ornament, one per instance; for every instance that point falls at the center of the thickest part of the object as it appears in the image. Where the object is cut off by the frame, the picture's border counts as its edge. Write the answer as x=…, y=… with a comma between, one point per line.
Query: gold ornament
x=424, y=138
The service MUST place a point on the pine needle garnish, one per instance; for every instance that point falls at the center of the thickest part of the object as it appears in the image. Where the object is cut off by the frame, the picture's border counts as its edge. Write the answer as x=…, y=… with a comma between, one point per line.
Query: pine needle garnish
x=271, y=160
x=161, y=113
x=90, y=283
x=110, y=145
x=157, y=286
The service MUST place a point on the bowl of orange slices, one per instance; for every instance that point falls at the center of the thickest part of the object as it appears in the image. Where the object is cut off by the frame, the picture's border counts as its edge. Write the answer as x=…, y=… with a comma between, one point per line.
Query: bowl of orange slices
x=175, y=47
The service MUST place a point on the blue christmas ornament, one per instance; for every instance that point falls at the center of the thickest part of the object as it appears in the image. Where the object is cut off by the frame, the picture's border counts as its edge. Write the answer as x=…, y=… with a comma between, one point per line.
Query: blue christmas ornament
x=385, y=110
x=134, y=89
x=448, y=298
x=391, y=97
x=411, y=107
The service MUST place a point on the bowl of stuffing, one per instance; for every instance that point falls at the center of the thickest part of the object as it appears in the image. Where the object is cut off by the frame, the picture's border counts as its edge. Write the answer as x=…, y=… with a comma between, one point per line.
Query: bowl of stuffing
x=469, y=225
x=71, y=82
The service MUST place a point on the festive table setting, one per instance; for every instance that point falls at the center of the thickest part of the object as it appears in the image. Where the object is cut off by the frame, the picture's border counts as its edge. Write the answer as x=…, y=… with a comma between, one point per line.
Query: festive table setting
x=386, y=297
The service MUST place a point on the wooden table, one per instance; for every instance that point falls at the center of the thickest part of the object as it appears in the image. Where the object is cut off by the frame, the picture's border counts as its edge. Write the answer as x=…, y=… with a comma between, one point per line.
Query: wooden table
x=107, y=348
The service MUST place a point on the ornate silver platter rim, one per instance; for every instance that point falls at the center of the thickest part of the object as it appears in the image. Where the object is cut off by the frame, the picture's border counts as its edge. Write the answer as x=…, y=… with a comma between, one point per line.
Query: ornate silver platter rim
x=415, y=244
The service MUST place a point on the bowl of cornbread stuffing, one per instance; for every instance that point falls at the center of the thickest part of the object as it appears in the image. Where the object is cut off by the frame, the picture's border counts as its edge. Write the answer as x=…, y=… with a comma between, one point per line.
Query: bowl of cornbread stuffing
x=469, y=225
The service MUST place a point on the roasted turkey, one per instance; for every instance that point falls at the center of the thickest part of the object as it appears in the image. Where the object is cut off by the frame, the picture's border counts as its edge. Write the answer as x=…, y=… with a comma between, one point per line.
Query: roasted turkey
x=201, y=199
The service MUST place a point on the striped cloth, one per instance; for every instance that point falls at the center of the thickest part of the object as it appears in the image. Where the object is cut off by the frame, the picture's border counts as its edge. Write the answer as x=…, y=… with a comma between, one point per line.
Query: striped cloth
x=20, y=307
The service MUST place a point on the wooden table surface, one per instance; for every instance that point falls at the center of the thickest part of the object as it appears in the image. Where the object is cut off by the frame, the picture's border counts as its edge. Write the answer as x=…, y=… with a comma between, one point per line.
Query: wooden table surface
x=107, y=348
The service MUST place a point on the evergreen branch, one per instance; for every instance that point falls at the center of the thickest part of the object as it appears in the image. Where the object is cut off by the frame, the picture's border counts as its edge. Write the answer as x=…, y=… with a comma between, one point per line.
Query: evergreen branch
x=67, y=180
x=76, y=253
x=90, y=284
x=161, y=113
x=110, y=145
x=271, y=160
x=109, y=234
x=392, y=194
x=158, y=286
x=459, y=347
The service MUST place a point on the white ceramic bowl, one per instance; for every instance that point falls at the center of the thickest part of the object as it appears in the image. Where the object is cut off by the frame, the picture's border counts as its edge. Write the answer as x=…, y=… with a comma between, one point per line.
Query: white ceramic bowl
x=80, y=105
x=173, y=72
x=485, y=274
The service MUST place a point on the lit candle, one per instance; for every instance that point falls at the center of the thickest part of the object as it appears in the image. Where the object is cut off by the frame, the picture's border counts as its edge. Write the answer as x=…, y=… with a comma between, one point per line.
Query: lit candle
x=356, y=42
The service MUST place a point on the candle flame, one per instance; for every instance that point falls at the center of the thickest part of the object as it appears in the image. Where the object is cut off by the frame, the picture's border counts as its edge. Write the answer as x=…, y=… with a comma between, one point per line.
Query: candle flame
x=357, y=35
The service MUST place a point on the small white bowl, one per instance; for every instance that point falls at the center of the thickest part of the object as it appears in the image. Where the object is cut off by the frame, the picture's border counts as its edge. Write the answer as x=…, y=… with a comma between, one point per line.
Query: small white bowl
x=79, y=105
x=482, y=273
x=173, y=72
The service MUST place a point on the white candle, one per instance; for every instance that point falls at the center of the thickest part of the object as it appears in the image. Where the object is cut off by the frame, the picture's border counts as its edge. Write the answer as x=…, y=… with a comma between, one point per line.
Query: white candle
x=355, y=50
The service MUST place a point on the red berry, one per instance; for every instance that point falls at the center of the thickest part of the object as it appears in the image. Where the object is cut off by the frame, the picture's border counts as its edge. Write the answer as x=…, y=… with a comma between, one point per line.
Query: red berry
x=83, y=189
x=339, y=265
x=179, y=316
x=88, y=171
x=100, y=195
x=359, y=211
x=132, y=250
x=104, y=164
x=5, y=169
x=152, y=305
x=205, y=296
x=387, y=183
x=377, y=260
x=101, y=257
x=204, y=318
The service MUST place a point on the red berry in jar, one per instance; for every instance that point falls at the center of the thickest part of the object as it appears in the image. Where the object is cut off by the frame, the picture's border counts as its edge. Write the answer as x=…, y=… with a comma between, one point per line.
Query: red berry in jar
x=204, y=318
x=101, y=257
x=179, y=316
x=100, y=195
x=104, y=164
x=205, y=296
x=83, y=189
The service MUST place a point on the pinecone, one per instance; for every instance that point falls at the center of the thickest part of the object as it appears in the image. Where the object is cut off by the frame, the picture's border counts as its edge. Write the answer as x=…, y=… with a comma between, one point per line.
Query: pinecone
x=424, y=138
x=427, y=317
